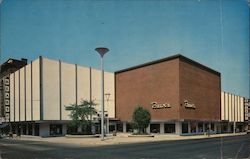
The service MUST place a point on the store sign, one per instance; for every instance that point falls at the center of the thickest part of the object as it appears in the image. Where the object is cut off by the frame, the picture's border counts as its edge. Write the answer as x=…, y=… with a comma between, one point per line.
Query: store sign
x=155, y=105
x=188, y=105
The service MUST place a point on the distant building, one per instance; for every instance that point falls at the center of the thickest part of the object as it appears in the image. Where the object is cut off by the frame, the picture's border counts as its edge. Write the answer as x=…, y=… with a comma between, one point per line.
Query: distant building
x=232, y=112
x=8, y=67
x=11, y=65
x=247, y=113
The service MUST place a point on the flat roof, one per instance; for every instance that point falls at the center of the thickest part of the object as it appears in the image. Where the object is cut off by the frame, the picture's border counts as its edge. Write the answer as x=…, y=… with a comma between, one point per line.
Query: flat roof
x=168, y=59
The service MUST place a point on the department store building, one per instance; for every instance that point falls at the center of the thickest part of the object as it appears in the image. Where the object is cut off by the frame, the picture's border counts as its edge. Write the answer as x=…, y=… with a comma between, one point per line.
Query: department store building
x=182, y=95
x=37, y=94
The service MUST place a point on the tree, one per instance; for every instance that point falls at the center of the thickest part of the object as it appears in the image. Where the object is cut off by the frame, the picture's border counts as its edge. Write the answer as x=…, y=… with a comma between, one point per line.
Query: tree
x=141, y=119
x=81, y=115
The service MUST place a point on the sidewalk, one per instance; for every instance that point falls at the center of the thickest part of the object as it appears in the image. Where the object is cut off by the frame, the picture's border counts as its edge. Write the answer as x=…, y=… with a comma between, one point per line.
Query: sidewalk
x=119, y=139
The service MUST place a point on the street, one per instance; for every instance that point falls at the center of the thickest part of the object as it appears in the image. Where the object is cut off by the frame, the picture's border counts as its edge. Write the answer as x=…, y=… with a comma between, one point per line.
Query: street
x=210, y=148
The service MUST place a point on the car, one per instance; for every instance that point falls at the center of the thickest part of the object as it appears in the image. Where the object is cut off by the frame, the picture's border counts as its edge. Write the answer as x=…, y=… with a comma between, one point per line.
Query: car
x=248, y=131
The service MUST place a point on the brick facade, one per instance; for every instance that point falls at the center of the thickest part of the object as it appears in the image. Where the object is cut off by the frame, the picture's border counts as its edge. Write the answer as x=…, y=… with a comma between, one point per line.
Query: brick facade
x=169, y=81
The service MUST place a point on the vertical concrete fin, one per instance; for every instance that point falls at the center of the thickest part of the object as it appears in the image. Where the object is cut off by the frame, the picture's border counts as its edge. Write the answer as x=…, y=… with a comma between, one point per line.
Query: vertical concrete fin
x=41, y=85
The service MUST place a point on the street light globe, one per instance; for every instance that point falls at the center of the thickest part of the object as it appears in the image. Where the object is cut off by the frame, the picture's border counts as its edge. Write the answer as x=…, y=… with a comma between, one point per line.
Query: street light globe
x=102, y=50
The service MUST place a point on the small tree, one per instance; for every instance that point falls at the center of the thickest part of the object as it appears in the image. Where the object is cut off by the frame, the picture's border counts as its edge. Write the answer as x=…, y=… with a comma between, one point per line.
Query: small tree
x=81, y=115
x=141, y=119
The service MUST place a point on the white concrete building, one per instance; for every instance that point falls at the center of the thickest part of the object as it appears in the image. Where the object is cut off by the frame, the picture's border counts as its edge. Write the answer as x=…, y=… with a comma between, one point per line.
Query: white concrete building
x=40, y=91
x=232, y=112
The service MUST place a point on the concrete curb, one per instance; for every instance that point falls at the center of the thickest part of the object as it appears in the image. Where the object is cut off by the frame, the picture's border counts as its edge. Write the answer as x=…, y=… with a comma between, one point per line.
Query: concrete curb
x=118, y=140
x=140, y=135
x=82, y=136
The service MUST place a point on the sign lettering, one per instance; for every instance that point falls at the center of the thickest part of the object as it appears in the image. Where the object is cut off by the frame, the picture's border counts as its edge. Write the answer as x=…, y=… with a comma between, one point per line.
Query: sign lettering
x=155, y=105
x=188, y=105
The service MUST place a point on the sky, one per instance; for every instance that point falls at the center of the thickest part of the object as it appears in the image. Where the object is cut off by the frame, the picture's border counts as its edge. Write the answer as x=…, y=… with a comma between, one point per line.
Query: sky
x=212, y=32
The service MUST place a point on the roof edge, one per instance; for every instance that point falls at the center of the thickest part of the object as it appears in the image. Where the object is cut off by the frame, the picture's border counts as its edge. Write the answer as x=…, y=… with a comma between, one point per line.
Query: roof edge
x=168, y=59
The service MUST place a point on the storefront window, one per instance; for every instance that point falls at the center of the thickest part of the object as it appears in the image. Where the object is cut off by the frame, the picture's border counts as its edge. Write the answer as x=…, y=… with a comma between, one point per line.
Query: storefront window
x=206, y=127
x=71, y=129
x=30, y=129
x=55, y=129
x=13, y=128
x=232, y=128
x=37, y=129
x=155, y=128
x=98, y=128
x=129, y=127
x=239, y=128
x=169, y=128
x=184, y=127
x=193, y=127
x=119, y=127
x=224, y=128
x=111, y=128
x=200, y=127
x=212, y=126
x=24, y=127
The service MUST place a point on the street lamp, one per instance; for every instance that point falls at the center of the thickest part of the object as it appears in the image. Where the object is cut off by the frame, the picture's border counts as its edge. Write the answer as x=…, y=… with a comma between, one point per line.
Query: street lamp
x=107, y=95
x=102, y=51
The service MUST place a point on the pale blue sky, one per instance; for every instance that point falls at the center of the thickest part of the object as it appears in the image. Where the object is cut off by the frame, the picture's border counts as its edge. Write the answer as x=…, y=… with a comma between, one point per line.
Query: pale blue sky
x=212, y=32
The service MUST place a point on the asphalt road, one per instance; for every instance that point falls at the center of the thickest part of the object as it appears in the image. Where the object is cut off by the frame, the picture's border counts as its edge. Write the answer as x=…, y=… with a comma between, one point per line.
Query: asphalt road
x=211, y=148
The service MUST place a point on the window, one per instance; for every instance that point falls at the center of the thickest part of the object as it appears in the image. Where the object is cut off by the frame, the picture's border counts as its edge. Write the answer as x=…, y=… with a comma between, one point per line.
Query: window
x=37, y=129
x=7, y=109
x=169, y=128
x=24, y=127
x=55, y=129
x=119, y=127
x=30, y=129
x=212, y=126
x=155, y=128
x=111, y=128
x=7, y=116
x=129, y=127
x=206, y=127
x=7, y=81
x=7, y=95
x=193, y=127
x=7, y=88
x=184, y=127
x=200, y=127
x=7, y=102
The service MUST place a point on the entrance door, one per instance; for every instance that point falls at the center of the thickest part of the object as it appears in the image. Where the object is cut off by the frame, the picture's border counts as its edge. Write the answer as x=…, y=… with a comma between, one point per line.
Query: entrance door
x=30, y=129
x=24, y=127
x=184, y=128
x=55, y=129
x=169, y=128
x=36, y=129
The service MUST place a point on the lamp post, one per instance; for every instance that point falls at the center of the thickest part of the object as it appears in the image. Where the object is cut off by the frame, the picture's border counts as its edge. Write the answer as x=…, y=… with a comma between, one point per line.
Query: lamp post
x=102, y=51
x=107, y=95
